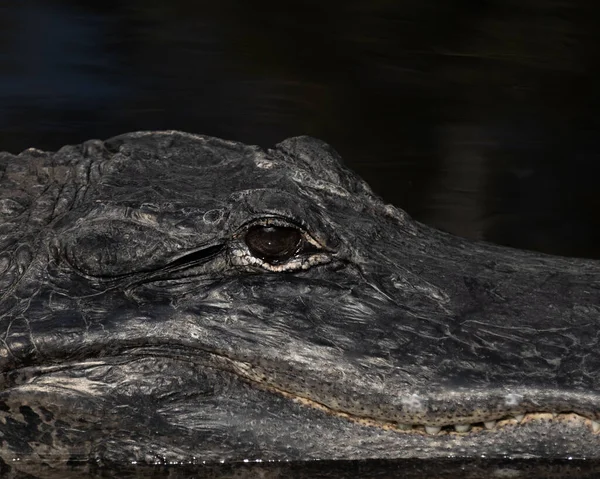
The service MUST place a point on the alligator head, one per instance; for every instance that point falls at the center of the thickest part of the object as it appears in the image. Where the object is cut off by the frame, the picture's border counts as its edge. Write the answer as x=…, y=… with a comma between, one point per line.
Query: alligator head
x=173, y=296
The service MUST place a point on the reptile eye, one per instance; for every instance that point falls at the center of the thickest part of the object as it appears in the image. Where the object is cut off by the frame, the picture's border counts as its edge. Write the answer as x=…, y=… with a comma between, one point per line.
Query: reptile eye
x=273, y=244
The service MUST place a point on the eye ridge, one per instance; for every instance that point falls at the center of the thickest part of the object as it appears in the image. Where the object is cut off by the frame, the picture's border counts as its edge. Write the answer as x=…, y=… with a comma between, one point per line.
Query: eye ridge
x=274, y=244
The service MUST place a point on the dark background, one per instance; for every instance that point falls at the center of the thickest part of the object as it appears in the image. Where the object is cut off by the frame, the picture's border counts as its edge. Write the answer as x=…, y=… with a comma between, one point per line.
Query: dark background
x=478, y=117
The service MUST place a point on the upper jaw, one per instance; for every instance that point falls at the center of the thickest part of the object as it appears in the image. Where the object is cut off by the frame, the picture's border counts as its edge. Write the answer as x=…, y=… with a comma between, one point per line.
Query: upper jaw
x=373, y=381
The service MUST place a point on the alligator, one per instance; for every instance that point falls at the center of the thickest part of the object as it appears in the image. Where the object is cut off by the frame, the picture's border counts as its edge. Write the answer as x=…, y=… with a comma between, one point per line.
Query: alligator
x=175, y=298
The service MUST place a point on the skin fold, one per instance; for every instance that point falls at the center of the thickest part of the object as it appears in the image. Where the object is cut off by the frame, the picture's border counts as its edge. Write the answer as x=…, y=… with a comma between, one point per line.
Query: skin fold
x=179, y=298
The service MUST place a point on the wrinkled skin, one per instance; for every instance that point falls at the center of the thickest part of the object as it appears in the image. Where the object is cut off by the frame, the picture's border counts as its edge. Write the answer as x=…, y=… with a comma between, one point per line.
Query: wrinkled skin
x=140, y=322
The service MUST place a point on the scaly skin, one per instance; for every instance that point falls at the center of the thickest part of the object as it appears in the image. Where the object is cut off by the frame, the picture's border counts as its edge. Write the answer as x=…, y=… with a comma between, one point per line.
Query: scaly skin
x=138, y=322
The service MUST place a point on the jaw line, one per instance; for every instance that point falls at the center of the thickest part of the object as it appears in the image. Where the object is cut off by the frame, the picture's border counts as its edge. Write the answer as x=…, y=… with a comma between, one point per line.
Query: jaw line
x=243, y=370
x=489, y=426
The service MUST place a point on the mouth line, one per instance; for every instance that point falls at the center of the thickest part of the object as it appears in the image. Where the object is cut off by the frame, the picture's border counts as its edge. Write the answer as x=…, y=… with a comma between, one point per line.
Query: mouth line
x=224, y=362
x=494, y=423
x=466, y=429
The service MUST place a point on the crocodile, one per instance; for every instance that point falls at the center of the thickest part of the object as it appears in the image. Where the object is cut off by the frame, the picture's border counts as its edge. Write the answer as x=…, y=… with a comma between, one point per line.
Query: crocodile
x=169, y=297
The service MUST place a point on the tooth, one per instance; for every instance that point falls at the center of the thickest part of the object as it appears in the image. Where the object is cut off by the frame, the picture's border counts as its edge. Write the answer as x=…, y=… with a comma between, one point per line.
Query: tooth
x=519, y=417
x=595, y=426
x=462, y=427
x=404, y=427
x=432, y=429
x=489, y=424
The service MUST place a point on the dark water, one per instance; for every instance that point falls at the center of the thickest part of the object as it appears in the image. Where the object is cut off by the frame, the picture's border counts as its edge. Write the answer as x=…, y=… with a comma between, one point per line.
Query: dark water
x=371, y=469
x=479, y=117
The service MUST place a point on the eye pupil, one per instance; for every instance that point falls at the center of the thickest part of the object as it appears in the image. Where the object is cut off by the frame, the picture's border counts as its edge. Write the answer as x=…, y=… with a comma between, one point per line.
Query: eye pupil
x=273, y=243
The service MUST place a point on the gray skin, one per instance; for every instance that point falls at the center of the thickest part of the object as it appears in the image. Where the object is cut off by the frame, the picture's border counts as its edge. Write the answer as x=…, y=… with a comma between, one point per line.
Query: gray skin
x=140, y=322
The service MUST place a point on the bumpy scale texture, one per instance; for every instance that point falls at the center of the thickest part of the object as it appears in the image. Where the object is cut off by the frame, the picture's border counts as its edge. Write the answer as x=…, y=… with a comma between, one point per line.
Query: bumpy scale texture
x=141, y=322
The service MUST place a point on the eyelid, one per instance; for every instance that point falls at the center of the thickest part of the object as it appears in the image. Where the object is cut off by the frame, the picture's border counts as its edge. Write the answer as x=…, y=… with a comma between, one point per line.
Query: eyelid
x=272, y=221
